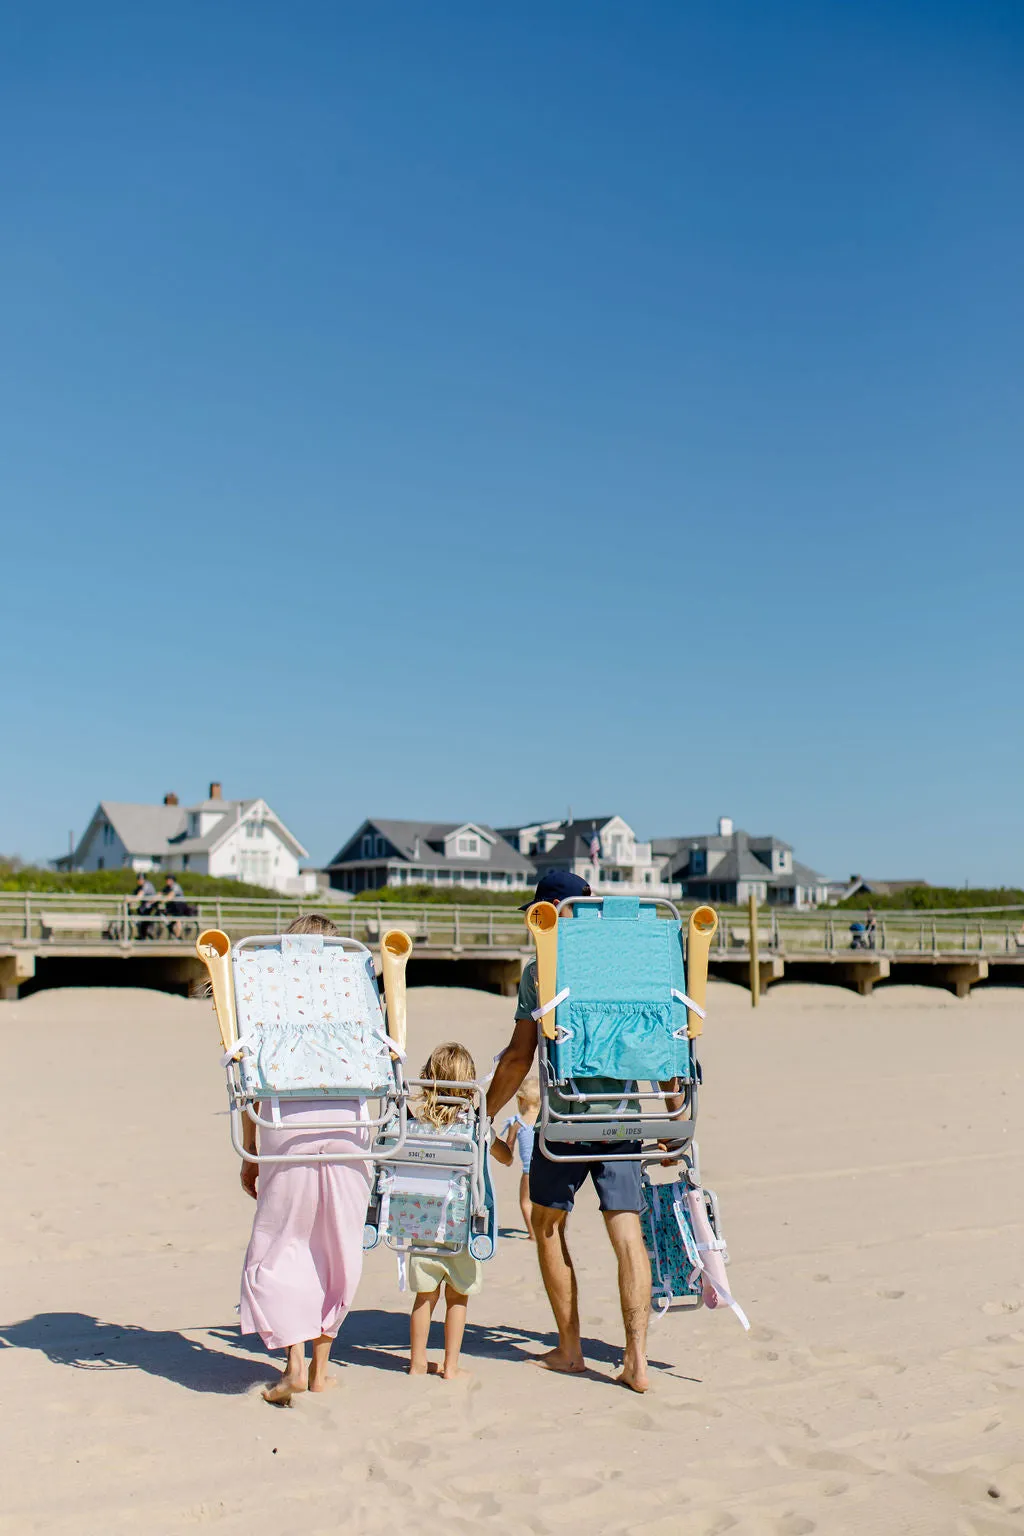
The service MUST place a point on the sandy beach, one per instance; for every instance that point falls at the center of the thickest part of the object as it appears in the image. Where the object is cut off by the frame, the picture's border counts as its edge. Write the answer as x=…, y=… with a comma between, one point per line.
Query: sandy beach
x=868, y=1155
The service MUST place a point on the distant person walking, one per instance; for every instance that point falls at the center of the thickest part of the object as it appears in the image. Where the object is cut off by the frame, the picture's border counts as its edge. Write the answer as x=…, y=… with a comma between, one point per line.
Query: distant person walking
x=175, y=905
x=145, y=900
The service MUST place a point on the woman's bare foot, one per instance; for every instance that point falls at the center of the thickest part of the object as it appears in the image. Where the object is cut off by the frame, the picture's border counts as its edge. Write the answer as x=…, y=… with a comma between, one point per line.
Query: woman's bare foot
x=282, y=1392
x=424, y=1368
x=557, y=1360
x=323, y=1383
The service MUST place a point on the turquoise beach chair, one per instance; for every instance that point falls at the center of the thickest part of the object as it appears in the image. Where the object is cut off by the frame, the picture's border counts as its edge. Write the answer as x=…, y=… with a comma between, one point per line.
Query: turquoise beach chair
x=621, y=1028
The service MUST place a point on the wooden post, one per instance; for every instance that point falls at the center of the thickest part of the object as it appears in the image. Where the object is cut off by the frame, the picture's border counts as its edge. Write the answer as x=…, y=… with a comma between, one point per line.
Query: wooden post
x=755, y=968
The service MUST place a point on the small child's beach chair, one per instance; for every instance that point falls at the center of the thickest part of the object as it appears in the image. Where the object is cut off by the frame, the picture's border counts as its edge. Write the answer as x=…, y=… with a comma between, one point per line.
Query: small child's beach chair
x=300, y=1018
x=614, y=1021
x=433, y=1193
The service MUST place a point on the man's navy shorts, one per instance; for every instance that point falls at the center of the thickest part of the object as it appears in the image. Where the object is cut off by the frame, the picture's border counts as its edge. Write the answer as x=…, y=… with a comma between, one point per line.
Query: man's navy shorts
x=618, y=1184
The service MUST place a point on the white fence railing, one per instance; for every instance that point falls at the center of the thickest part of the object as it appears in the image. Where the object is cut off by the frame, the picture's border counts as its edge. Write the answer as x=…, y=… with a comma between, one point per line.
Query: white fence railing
x=29, y=917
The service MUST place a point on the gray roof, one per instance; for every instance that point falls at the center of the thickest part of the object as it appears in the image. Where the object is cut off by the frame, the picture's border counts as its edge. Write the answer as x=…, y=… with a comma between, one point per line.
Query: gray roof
x=144, y=829
x=738, y=864
x=158, y=829
x=574, y=842
x=411, y=841
x=801, y=874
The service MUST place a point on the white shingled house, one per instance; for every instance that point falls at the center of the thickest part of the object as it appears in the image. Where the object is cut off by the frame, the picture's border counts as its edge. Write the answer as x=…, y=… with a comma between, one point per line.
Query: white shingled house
x=234, y=839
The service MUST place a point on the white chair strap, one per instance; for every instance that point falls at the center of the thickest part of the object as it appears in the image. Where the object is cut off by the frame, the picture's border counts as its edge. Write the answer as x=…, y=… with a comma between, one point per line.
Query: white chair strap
x=545, y=1008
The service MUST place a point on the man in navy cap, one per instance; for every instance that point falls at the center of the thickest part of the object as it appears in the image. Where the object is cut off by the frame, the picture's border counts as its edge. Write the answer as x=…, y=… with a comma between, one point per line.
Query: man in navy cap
x=553, y=1187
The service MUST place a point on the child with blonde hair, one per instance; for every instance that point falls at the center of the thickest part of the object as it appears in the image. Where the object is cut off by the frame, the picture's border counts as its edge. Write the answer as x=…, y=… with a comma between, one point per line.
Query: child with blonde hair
x=519, y=1132
x=459, y=1273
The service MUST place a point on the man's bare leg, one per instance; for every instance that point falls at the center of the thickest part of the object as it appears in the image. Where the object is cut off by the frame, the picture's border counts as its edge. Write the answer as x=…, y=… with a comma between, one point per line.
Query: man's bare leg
x=419, y=1330
x=292, y=1378
x=634, y=1294
x=560, y=1283
x=319, y=1381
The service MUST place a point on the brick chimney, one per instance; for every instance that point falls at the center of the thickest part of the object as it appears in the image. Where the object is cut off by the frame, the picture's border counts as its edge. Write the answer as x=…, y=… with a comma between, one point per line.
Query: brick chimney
x=215, y=793
x=171, y=799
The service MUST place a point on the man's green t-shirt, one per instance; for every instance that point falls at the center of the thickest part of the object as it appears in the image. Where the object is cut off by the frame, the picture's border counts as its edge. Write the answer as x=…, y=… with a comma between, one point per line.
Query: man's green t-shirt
x=528, y=1001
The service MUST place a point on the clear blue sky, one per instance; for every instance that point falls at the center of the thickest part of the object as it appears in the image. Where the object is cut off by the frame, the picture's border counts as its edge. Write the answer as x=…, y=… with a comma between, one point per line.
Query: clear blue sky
x=466, y=410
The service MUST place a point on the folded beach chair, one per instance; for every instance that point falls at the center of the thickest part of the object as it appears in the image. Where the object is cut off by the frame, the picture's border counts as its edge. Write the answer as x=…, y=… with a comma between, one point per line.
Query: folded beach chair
x=300, y=1018
x=614, y=1021
x=682, y=1232
x=433, y=1193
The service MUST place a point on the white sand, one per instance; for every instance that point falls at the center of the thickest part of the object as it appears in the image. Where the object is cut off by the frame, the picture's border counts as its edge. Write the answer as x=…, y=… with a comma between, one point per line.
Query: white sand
x=868, y=1156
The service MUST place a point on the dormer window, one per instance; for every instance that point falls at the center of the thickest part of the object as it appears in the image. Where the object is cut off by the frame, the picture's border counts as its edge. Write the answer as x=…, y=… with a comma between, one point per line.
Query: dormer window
x=469, y=846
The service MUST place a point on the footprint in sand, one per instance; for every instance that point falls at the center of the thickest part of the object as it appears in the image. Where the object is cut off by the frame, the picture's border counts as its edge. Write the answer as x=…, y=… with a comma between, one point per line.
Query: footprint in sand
x=1001, y=1308
x=794, y=1525
x=890, y=1295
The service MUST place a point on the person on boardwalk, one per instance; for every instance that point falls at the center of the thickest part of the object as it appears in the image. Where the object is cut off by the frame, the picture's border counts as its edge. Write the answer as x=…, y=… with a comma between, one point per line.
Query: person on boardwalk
x=459, y=1273
x=518, y=1133
x=305, y=1255
x=553, y=1188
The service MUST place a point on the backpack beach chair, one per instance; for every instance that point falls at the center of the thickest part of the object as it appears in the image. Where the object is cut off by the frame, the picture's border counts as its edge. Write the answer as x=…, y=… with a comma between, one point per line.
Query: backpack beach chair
x=615, y=1020
x=433, y=1194
x=300, y=1018
x=682, y=1232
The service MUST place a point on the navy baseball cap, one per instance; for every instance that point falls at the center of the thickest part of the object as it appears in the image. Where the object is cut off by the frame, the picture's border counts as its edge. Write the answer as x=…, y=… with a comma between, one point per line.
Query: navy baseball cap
x=555, y=886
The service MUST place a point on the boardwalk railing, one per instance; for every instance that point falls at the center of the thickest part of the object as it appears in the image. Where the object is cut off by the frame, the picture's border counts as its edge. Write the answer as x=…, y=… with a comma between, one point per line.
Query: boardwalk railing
x=108, y=921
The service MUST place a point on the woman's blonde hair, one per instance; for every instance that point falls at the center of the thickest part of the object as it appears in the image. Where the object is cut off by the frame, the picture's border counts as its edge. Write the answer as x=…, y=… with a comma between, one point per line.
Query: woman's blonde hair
x=448, y=1063
x=312, y=922
x=528, y=1096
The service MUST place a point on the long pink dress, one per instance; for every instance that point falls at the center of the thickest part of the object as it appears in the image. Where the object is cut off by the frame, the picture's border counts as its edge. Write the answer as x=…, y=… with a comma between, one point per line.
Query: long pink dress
x=305, y=1255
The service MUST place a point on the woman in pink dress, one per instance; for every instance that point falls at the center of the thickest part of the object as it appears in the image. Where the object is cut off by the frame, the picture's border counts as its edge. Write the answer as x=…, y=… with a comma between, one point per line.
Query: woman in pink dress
x=305, y=1255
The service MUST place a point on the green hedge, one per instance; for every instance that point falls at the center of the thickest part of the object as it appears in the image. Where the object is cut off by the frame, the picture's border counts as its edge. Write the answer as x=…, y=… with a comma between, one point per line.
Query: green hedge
x=15, y=876
x=445, y=895
x=922, y=898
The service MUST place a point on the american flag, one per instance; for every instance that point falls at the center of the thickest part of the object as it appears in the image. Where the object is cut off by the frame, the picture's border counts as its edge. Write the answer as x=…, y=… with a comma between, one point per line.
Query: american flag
x=595, y=848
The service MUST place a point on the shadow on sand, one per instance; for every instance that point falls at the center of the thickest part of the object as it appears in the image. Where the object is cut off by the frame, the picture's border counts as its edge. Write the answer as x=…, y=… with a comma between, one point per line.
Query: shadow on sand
x=86, y=1344
x=369, y=1338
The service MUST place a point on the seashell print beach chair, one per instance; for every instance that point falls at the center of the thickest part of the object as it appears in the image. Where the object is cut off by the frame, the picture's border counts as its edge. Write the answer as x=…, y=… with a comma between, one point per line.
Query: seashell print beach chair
x=300, y=1018
x=433, y=1194
x=614, y=1021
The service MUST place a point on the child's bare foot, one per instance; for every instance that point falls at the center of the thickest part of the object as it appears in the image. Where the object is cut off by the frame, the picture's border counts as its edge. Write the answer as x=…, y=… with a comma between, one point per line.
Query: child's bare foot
x=282, y=1392
x=451, y=1373
x=555, y=1360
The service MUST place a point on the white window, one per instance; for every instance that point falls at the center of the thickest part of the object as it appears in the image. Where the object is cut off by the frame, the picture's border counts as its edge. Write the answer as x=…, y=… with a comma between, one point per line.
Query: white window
x=368, y=845
x=380, y=847
x=469, y=845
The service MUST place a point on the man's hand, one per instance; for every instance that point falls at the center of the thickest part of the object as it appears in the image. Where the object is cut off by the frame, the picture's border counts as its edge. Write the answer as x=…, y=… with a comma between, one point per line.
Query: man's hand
x=502, y=1154
x=249, y=1175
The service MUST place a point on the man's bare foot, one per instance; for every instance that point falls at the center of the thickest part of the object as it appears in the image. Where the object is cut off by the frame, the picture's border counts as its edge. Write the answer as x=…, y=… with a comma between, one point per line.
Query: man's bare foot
x=634, y=1376
x=453, y=1373
x=282, y=1392
x=428, y=1368
x=556, y=1360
